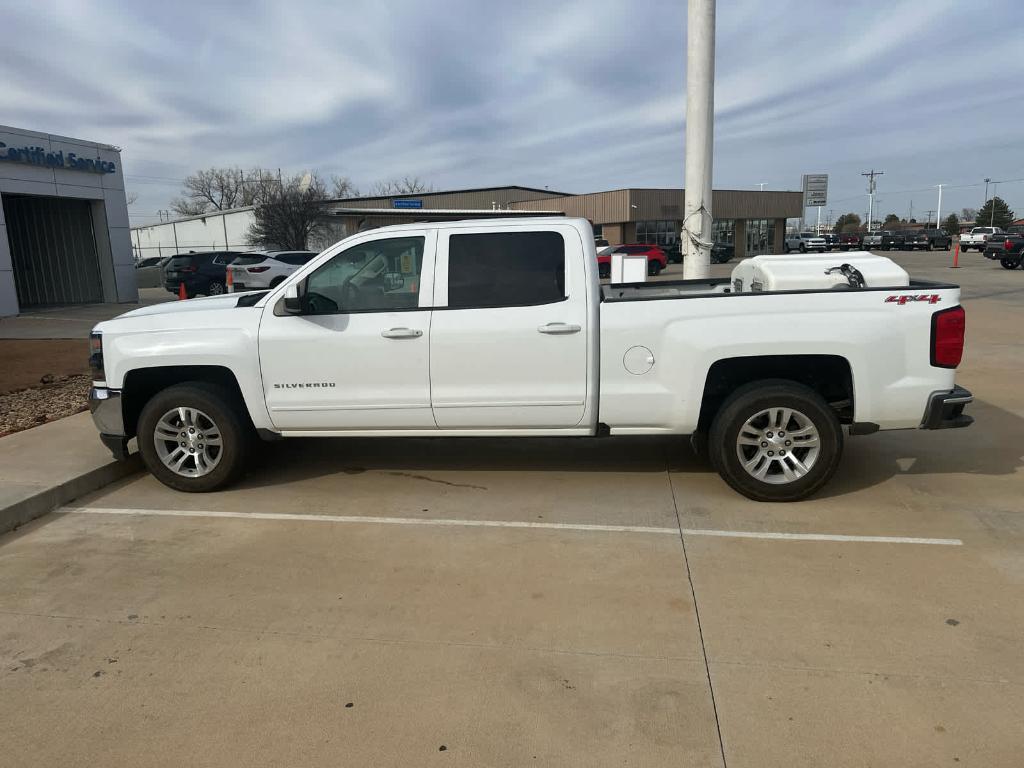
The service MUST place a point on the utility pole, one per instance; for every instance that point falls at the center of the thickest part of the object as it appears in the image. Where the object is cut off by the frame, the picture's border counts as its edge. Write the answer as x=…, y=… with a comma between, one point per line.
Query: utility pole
x=700, y=126
x=760, y=187
x=911, y=214
x=992, y=210
x=928, y=214
x=938, y=209
x=871, y=194
x=986, y=190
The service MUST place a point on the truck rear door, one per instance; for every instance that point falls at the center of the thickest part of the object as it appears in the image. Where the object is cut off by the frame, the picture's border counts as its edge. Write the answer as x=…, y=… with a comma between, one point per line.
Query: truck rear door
x=508, y=336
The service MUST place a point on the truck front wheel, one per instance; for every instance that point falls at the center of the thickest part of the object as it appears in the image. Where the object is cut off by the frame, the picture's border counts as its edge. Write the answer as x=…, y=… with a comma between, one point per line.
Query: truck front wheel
x=775, y=440
x=193, y=437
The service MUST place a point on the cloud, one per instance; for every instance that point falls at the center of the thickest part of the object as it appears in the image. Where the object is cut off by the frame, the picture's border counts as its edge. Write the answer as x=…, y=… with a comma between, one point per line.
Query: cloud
x=580, y=95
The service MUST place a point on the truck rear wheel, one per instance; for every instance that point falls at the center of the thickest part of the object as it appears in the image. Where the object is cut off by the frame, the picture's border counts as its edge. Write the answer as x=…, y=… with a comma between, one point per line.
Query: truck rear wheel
x=1010, y=263
x=193, y=437
x=775, y=440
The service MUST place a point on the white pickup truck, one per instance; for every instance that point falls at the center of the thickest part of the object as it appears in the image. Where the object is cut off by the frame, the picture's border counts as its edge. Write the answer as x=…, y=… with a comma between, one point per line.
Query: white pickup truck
x=978, y=237
x=502, y=328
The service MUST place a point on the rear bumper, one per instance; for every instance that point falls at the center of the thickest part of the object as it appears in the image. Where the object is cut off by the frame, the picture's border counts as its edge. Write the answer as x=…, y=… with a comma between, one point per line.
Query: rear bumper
x=946, y=410
x=105, y=406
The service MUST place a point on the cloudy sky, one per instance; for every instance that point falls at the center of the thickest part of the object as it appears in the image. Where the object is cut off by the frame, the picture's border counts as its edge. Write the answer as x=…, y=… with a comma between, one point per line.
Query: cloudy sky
x=579, y=95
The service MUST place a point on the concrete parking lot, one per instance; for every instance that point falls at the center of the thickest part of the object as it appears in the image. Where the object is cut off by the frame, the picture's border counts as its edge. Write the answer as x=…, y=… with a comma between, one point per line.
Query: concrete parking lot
x=540, y=602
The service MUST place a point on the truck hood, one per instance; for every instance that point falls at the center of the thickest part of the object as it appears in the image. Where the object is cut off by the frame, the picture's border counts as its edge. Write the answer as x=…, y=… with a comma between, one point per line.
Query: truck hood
x=227, y=301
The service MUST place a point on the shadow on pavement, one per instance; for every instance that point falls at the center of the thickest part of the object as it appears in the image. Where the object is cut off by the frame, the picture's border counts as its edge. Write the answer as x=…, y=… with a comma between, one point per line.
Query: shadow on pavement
x=991, y=446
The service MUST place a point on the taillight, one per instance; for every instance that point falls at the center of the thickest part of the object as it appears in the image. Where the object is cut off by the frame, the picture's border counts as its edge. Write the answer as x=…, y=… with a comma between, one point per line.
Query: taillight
x=258, y=269
x=948, y=328
x=1007, y=245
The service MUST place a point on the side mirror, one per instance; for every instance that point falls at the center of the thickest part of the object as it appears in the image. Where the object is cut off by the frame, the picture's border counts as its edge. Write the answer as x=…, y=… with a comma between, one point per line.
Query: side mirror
x=293, y=299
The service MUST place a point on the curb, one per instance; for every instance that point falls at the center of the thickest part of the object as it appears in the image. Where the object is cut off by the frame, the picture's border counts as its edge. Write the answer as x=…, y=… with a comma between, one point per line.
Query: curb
x=49, y=499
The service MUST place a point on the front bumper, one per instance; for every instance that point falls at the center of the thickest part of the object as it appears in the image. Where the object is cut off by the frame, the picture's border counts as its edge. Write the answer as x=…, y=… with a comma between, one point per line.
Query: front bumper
x=946, y=410
x=105, y=406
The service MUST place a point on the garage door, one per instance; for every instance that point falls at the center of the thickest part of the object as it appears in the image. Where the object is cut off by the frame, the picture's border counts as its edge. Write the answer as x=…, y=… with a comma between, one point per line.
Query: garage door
x=53, y=251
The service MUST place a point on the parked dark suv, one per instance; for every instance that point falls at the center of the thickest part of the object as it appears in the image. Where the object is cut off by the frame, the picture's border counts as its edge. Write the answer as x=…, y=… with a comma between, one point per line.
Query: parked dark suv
x=202, y=273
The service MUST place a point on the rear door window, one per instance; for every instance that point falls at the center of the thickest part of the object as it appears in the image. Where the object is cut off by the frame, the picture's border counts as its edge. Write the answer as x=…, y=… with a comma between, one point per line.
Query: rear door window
x=245, y=261
x=505, y=269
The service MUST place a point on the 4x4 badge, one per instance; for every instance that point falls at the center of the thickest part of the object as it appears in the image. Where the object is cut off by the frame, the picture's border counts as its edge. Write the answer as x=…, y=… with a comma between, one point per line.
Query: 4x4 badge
x=931, y=298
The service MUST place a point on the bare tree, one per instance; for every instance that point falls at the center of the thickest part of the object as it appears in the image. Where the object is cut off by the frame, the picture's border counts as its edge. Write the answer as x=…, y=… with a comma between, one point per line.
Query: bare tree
x=215, y=189
x=342, y=186
x=131, y=198
x=289, y=212
x=185, y=207
x=407, y=185
x=968, y=214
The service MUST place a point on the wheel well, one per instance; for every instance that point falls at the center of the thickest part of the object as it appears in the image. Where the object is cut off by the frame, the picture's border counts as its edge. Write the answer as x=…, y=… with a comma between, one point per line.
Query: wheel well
x=142, y=383
x=828, y=375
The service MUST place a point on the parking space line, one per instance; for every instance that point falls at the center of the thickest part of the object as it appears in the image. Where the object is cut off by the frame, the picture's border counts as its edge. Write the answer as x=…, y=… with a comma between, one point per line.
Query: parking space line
x=442, y=522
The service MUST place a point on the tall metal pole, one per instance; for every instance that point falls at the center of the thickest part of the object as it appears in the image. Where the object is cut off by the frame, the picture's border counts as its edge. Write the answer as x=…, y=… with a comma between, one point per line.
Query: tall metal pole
x=992, y=210
x=700, y=124
x=938, y=210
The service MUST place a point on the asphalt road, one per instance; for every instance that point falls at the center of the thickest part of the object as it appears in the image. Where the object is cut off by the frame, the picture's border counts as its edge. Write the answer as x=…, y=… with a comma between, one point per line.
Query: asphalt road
x=542, y=602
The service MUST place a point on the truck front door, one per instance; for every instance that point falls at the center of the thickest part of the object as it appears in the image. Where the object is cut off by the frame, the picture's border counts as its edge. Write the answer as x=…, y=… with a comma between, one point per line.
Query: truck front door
x=508, y=337
x=357, y=356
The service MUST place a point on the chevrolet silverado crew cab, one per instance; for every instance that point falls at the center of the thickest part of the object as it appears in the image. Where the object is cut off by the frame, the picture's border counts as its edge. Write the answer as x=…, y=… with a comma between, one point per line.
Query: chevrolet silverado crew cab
x=502, y=328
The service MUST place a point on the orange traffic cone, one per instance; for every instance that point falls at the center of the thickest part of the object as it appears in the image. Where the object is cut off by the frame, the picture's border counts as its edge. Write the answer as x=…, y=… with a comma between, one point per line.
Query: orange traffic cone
x=182, y=293
x=956, y=256
x=230, y=281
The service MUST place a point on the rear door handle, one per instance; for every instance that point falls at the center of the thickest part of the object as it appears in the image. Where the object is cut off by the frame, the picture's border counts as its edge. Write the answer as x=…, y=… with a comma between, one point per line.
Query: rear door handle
x=559, y=328
x=401, y=333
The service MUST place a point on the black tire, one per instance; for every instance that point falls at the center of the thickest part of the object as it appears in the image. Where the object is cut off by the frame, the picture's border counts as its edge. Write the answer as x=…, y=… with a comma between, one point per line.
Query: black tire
x=654, y=268
x=277, y=281
x=748, y=401
x=1010, y=263
x=216, y=288
x=604, y=271
x=226, y=414
x=803, y=248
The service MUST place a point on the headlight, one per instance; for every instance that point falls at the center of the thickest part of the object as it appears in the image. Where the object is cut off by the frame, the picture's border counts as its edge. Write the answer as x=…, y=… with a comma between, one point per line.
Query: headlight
x=96, y=357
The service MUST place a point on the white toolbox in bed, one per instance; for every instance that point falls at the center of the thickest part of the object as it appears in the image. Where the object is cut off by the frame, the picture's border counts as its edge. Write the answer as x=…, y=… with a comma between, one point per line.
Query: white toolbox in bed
x=824, y=271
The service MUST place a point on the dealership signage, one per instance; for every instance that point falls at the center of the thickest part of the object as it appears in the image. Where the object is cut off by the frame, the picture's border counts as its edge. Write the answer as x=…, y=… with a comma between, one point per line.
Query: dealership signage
x=407, y=203
x=815, y=189
x=39, y=156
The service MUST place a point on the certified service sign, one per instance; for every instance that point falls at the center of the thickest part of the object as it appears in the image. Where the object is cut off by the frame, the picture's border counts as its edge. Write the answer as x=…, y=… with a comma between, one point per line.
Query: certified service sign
x=39, y=156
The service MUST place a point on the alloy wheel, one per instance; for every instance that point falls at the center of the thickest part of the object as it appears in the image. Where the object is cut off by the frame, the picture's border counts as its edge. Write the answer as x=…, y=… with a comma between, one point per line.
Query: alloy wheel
x=188, y=442
x=778, y=445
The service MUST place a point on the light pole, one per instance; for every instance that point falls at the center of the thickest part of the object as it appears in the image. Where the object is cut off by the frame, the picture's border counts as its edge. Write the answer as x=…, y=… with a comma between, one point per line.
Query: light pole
x=760, y=187
x=992, y=210
x=700, y=126
x=938, y=209
x=986, y=189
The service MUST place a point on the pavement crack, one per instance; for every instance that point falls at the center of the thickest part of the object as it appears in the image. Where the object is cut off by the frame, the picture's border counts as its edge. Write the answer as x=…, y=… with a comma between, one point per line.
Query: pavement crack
x=436, y=480
x=696, y=610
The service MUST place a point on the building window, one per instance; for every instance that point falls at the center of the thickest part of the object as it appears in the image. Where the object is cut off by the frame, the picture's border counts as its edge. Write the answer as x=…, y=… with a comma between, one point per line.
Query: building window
x=723, y=231
x=760, y=236
x=663, y=232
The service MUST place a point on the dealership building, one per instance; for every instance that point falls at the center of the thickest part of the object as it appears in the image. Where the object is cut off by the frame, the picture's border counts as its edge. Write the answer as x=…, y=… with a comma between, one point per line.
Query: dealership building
x=751, y=221
x=64, y=233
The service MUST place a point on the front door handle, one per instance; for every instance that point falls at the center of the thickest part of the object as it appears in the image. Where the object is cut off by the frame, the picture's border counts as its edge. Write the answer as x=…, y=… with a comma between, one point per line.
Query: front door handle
x=559, y=328
x=401, y=333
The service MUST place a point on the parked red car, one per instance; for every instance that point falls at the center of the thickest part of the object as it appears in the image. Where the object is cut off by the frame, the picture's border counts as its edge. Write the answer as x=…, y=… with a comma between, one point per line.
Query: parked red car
x=656, y=258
